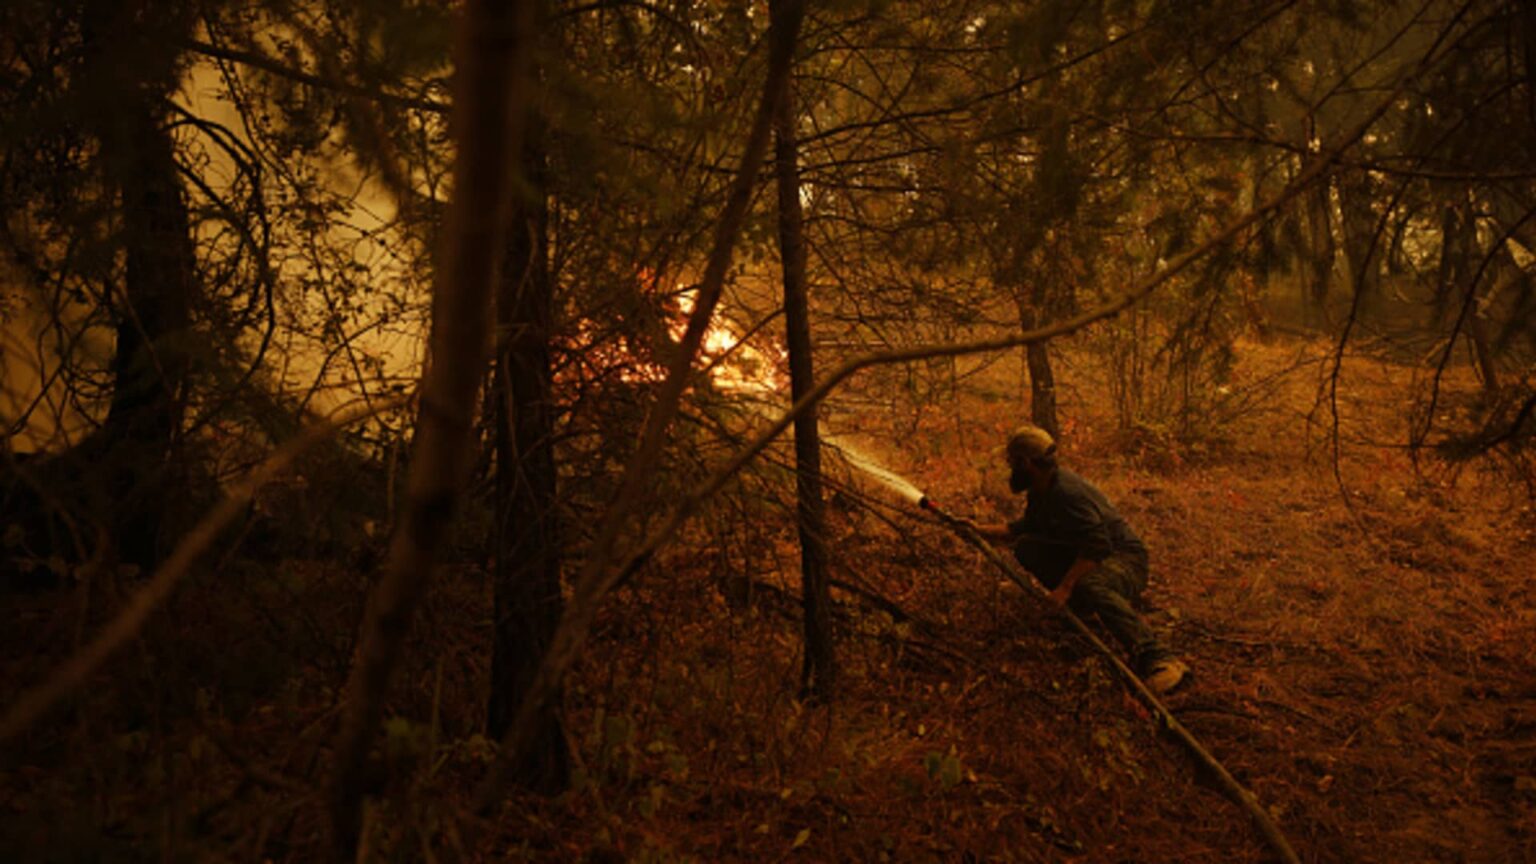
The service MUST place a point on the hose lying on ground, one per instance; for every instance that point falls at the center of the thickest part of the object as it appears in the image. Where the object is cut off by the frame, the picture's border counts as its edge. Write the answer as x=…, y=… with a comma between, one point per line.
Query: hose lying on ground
x=1229, y=785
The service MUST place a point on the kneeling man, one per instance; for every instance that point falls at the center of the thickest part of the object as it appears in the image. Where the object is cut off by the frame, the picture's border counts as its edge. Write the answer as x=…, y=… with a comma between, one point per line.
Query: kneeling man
x=1079, y=547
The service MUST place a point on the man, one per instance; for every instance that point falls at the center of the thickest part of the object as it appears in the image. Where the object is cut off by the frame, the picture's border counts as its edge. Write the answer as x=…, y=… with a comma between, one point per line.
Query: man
x=1074, y=542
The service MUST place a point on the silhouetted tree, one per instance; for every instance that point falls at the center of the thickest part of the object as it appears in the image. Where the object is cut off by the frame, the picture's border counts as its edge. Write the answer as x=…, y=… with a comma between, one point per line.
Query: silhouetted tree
x=819, y=673
x=527, y=553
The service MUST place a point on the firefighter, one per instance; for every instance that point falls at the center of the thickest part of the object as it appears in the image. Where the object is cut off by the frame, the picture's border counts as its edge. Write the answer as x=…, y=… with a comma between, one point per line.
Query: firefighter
x=1073, y=540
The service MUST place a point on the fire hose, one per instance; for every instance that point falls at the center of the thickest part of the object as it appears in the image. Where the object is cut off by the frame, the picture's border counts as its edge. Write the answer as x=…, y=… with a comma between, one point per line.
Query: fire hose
x=1228, y=784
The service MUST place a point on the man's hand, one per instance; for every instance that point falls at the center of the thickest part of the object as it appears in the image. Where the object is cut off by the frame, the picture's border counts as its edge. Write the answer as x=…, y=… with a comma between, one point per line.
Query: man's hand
x=1080, y=568
x=997, y=534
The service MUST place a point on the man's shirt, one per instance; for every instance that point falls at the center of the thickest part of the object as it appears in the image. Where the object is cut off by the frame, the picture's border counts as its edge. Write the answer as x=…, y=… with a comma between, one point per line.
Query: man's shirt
x=1071, y=519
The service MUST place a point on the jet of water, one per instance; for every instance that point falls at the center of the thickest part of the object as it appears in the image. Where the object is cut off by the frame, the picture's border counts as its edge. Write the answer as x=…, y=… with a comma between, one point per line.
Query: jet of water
x=886, y=477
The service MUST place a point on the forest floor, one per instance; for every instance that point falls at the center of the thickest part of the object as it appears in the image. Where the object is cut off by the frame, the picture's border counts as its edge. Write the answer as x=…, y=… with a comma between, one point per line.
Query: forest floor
x=1360, y=632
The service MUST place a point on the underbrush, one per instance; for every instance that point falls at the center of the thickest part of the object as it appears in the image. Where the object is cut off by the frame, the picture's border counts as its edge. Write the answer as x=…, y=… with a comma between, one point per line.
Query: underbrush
x=1359, y=640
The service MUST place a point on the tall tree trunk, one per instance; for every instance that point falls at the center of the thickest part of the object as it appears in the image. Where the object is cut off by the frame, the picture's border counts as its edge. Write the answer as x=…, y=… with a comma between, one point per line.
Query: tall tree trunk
x=1528, y=36
x=1318, y=273
x=820, y=669
x=597, y=577
x=1037, y=359
x=1055, y=195
x=1454, y=250
x=150, y=364
x=1453, y=290
x=1482, y=352
x=527, y=554
x=1359, y=224
x=152, y=311
x=1042, y=388
x=490, y=90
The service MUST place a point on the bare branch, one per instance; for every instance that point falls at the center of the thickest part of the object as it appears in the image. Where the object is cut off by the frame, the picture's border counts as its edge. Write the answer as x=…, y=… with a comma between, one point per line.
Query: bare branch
x=274, y=67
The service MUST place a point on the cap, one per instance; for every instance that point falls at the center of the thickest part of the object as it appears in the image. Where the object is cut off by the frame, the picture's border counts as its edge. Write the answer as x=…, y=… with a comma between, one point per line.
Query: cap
x=1030, y=442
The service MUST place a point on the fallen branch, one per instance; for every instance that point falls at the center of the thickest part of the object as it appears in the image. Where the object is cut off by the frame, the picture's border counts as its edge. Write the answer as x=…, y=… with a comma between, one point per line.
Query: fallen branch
x=792, y=602
x=1234, y=790
x=871, y=598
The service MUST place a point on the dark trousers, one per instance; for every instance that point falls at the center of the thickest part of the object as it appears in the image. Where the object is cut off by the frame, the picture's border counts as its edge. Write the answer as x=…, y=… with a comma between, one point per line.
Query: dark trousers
x=1107, y=592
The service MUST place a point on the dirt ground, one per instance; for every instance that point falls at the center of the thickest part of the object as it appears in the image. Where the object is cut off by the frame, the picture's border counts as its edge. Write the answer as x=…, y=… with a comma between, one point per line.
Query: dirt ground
x=1360, y=630
x=1360, y=639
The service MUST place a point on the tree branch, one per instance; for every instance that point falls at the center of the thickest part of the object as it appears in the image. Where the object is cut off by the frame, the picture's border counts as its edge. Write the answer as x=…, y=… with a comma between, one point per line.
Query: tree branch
x=273, y=67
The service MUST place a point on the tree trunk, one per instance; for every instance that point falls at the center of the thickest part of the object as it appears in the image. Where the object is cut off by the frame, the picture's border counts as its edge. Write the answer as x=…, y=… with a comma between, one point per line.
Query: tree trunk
x=150, y=364
x=1042, y=388
x=490, y=89
x=527, y=552
x=152, y=310
x=1037, y=358
x=1359, y=228
x=1454, y=291
x=1453, y=255
x=1482, y=352
x=597, y=578
x=1056, y=192
x=1528, y=37
x=819, y=671
x=1318, y=273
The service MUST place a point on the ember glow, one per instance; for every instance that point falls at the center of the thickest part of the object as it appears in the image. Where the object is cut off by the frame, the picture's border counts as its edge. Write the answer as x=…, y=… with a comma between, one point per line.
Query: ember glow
x=734, y=364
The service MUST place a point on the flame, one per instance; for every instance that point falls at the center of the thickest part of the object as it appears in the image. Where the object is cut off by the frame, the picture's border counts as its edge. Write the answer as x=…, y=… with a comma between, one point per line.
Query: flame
x=733, y=363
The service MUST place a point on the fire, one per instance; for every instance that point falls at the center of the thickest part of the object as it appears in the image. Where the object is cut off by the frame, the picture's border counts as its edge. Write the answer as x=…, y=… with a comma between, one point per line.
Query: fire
x=731, y=360
x=734, y=364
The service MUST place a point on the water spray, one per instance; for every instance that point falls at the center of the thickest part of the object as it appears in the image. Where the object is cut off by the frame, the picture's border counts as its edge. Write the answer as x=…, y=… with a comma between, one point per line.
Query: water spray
x=891, y=480
x=885, y=476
